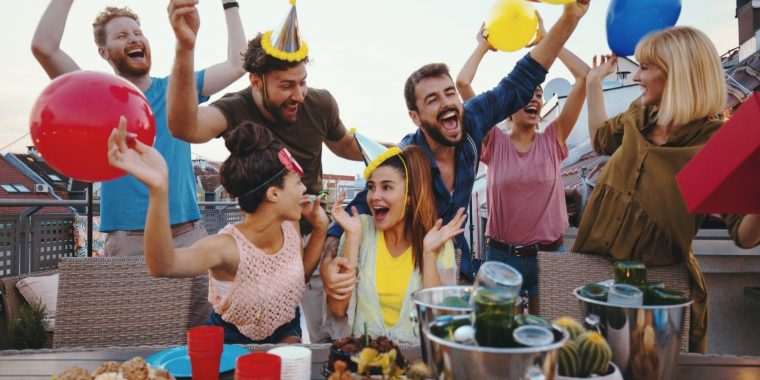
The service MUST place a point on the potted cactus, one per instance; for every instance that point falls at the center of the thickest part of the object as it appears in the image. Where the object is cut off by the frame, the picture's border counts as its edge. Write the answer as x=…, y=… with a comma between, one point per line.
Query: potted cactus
x=586, y=354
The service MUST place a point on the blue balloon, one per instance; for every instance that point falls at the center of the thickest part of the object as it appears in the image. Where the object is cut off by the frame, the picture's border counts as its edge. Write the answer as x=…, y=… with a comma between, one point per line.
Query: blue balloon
x=628, y=21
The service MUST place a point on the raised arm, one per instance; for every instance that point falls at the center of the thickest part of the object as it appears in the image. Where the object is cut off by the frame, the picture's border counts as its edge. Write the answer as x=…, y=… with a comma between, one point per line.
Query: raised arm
x=547, y=50
x=467, y=74
x=185, y=119
x=566, y=120
x=597, y=114
x=225, y=73
x=346, y=147
x=46, y=43
x=312, y=252
x=162, y=259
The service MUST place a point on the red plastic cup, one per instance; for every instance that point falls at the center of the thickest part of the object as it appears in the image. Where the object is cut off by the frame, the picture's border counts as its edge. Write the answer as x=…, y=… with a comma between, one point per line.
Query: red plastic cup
x=258, y=366
x=204, y=346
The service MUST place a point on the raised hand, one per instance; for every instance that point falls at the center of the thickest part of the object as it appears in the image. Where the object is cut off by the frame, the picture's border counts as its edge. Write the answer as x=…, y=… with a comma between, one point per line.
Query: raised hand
x=338, y=277
x=351, y=224
x=183, y=16
x=439, y=235
x=578, y=8
x=605, y=67
x=313, y=213
x=141, y=161
x=481, y=38
x=540, y=33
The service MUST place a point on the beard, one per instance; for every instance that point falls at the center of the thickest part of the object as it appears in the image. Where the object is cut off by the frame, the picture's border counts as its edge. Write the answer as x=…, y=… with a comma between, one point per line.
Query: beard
x=276, y=111
x=434, y=132
x=125, y=67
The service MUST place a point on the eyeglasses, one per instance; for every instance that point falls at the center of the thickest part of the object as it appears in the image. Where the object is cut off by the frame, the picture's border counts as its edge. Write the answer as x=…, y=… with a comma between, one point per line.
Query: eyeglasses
x=289, y=163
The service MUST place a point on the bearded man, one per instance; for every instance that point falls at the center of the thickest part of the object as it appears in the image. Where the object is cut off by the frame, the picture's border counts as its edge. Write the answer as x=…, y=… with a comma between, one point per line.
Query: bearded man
x=121, y=42
x=451, y=133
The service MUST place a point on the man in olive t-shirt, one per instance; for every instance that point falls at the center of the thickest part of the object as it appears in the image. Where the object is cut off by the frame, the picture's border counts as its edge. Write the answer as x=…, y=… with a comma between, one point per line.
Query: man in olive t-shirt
x=301, y=118
x=317, y=121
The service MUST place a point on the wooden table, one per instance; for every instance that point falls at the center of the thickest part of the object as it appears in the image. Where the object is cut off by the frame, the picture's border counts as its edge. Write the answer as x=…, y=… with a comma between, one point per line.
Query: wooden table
x=41, y=364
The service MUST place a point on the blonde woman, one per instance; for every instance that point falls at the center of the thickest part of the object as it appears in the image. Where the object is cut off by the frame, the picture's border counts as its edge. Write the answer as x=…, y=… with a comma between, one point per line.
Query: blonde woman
x=636, y=211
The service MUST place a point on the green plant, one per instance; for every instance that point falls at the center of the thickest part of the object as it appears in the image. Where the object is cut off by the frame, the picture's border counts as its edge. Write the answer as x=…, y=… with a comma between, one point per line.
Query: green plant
x=571, y=325
x=594, y=352
x=28, y=330
x=569, y=359
x=585, y=353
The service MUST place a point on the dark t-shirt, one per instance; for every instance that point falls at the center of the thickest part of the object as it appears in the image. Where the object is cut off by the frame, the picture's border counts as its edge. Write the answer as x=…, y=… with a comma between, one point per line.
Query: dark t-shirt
x=318, y=120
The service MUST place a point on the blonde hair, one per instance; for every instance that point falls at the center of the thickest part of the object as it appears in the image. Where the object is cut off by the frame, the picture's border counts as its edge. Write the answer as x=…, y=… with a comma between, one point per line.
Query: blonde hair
x=694, y=84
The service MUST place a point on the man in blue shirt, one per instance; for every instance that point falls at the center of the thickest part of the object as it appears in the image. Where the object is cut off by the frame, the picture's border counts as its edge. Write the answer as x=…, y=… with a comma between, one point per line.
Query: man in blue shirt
x=120, y=41
x=451, y=133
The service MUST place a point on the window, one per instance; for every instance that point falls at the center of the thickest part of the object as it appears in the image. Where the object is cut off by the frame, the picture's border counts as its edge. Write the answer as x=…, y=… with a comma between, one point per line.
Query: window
x=54, y=177
x=9, y=188
x=21, y=188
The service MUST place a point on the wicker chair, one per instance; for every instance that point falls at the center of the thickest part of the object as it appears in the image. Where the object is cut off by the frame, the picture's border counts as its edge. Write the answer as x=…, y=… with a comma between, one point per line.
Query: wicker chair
x=560, y=273
x=11, y=296
x=113, y=301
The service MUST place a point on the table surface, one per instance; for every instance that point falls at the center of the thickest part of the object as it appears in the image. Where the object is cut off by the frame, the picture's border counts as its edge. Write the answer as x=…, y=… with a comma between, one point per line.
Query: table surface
x=41, y=364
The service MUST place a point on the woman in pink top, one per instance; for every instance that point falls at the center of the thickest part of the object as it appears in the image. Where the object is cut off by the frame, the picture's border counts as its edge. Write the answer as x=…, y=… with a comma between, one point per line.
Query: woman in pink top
x=257, y=267
x=526, y=199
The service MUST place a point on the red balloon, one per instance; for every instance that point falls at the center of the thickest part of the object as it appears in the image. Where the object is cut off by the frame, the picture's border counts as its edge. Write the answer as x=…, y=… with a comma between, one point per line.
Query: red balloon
x=74, y=116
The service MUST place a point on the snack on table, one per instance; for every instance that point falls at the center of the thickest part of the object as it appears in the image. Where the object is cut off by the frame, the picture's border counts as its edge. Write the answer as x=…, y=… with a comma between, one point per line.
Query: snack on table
x=133, y=369
x=348, y=350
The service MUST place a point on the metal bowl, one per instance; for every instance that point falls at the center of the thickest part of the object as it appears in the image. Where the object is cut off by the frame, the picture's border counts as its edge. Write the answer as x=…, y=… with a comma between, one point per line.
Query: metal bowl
x=451, y=360
x=645, y=340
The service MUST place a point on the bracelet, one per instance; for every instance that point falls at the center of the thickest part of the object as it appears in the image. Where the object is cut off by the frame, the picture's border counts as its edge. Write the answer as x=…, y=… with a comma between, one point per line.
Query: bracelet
x=233, y=4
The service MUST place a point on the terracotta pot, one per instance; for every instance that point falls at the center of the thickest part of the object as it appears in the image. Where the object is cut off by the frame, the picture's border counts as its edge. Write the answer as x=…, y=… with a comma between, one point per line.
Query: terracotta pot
x=615, y=375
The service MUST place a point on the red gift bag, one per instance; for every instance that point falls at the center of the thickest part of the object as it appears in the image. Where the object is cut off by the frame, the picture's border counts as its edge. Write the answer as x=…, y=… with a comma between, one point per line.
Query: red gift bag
x=724, y=177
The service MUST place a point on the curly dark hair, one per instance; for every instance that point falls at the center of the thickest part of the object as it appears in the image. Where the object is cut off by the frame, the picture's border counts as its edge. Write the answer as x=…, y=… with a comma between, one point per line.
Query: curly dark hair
x=252, y=161
x=257, y=61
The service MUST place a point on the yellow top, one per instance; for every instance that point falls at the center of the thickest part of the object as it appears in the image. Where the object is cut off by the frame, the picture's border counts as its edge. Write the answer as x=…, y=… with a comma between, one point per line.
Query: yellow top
x=392, y=276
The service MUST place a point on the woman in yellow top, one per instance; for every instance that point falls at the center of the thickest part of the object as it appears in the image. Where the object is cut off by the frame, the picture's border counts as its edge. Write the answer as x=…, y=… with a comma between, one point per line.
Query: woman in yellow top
x=636, y=211
x=399, y=248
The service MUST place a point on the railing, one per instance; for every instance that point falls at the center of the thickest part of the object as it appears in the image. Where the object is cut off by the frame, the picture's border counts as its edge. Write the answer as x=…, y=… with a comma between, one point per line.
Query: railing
x=31, y=242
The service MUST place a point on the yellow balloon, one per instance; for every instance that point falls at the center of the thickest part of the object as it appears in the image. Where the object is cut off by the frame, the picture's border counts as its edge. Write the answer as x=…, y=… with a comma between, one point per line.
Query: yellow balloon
x=511, y=24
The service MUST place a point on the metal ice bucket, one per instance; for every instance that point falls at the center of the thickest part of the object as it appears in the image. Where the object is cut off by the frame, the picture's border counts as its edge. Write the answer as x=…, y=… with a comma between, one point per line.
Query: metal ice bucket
x=645, y=340
x=450, y=360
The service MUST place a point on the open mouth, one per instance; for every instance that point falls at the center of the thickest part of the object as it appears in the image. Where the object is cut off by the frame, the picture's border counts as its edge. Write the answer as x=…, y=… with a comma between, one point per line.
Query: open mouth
x=449, y=120
x=531, y=110
x=136, y=54
x=380, y=213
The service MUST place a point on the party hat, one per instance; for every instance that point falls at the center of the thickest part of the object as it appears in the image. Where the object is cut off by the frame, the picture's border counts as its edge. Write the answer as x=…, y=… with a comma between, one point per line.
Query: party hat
x=287, y=44
x=373, y=153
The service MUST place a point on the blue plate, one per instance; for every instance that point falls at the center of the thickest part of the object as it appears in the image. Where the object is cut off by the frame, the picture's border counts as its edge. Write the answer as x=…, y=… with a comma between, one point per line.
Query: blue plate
x=177, y=362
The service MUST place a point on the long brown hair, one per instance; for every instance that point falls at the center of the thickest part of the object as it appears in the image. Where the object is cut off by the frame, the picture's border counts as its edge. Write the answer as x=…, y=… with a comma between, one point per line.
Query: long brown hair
x=421, y=213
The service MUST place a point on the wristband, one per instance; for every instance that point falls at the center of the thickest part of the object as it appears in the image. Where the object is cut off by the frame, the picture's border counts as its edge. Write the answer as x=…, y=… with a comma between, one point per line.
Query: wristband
x=233, y=4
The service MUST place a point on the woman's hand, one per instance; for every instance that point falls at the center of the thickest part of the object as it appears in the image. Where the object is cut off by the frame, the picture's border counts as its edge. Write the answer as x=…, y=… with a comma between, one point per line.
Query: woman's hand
x=540, y=33
x=313, y=213
x=127, y=153
x=481, y=38
x=438, y=236
x=351, y=224
x=605, y=67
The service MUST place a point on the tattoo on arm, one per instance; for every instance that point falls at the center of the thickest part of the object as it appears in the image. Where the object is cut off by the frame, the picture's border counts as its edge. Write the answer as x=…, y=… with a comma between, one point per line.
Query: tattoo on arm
x=331, y=247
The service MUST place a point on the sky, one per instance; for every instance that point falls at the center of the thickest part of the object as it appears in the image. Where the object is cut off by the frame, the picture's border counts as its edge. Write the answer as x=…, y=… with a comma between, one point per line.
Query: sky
x=361, y=51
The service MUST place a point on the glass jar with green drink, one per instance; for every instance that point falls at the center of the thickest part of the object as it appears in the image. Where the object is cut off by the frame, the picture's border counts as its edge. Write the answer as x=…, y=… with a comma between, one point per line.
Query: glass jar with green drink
x=495, y=293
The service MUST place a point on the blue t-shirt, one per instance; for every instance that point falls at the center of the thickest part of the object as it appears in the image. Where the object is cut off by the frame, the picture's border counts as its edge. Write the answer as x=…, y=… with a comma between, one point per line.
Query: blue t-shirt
x=124, y=201
x=481, y=113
